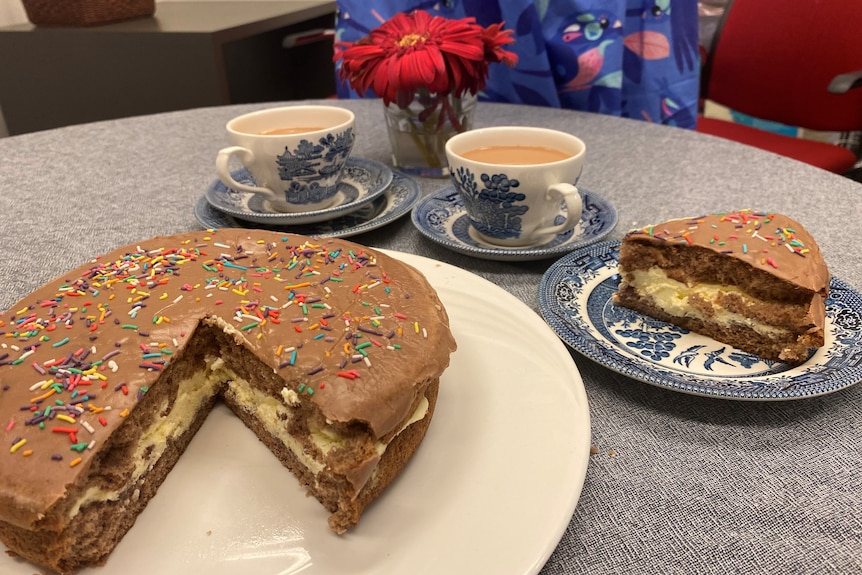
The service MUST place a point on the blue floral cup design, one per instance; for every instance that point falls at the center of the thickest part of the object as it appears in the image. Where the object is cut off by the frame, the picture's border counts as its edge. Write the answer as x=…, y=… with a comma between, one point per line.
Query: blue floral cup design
x=294, y=153
x=518, y=204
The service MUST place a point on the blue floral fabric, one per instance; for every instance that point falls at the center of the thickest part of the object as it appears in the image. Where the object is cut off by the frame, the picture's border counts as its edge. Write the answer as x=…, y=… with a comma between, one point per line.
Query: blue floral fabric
x=632, y=58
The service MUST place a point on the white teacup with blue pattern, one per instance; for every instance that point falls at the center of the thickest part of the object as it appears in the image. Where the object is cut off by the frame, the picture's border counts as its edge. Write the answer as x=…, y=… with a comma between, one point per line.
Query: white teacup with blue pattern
x=510, y=199
x=294, y=153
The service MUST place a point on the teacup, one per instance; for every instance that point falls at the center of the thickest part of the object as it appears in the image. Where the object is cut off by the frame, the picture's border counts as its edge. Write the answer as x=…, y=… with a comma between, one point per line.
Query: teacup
x=295, y=154
x=513, y=181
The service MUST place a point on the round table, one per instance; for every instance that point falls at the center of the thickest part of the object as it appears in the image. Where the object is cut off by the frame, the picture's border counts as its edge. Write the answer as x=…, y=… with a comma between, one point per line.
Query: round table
x=676, y=483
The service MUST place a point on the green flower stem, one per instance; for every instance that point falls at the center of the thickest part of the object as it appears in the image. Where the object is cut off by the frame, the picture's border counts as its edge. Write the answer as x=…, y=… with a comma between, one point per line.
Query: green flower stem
x=432, y=119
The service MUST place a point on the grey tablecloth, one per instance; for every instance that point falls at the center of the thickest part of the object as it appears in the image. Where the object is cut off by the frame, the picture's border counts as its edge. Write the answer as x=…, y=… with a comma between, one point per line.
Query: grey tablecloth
x=677, y=483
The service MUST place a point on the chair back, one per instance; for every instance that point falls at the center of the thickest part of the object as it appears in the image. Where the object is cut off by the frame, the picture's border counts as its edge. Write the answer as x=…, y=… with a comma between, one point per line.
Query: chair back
x=774, y=60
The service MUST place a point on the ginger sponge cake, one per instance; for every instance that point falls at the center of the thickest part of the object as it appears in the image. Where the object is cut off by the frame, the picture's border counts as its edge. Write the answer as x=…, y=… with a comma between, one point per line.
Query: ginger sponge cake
x=754, y=280
x=330, y=352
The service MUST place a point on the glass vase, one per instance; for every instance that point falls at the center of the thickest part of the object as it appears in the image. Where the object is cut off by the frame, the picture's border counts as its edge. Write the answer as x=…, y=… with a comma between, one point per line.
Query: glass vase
x=419, y=126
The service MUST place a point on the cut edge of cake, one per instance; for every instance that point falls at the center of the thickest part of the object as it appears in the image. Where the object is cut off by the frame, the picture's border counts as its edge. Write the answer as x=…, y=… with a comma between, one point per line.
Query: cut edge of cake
x=754, y=280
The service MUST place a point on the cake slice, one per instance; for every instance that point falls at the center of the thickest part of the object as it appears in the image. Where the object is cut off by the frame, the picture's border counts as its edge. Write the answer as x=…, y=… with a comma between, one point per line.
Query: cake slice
x=753, y=280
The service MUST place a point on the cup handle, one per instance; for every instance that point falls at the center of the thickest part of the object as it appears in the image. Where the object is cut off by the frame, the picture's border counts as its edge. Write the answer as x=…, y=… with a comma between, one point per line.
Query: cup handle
x=574, y=206
x=246, y=157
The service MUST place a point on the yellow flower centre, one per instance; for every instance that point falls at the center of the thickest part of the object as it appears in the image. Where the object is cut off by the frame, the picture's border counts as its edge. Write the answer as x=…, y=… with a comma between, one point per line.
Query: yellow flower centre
x=410, y=40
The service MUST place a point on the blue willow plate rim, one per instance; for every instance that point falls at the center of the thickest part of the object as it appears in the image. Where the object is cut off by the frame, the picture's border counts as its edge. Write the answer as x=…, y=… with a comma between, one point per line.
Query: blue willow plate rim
x=399, y=198
x=599, y=217
x=353, y=190
x=575, y=301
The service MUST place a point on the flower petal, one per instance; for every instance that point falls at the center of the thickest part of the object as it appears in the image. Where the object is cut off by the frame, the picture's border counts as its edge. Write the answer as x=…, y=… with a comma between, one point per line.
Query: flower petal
x=417, y=51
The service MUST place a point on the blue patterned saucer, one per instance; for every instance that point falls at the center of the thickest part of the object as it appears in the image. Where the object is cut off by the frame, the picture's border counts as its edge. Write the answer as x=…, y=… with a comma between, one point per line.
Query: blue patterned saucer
x=575, y=300
x=398, y=199
x=361, y=182
x=441, y=217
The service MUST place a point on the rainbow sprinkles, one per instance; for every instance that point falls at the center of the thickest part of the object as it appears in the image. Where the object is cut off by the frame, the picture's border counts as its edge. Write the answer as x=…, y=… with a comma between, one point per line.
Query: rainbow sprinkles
x=72, y=384
x=333, y=327
x=739, y=232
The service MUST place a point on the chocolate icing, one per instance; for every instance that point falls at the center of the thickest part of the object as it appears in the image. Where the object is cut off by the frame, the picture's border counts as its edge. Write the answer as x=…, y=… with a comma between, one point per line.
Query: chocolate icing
x=766, y=241
x=350, y=329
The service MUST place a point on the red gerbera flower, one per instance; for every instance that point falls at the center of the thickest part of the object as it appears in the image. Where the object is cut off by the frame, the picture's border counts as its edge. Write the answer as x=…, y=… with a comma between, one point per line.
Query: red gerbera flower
x=416, y=51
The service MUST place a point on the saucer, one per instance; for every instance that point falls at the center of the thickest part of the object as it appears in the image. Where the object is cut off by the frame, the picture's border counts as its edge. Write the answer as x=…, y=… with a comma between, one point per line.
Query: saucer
x=576, y=300
x=441, y=217
x=398, y=199
x=361, y=182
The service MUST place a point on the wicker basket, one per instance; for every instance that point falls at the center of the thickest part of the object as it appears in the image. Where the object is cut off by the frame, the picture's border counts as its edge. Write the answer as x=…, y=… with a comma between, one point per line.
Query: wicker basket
x=85, y=12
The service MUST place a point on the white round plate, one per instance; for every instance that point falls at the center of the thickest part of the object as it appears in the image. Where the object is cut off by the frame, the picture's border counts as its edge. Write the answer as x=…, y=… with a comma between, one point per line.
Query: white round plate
x=398, y=199
x=575, y=299
x=491, y=489
x=361, y=181
x=441, y=217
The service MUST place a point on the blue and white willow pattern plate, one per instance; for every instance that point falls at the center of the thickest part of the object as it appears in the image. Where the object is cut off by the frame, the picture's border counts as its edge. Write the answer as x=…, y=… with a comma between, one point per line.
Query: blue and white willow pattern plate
x=398, y=199
x=361, y=182
x=441, y=217
x=575, y=300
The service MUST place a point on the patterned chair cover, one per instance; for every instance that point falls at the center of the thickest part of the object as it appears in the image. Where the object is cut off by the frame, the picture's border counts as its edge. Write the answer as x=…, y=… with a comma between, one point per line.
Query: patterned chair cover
x=631, y=58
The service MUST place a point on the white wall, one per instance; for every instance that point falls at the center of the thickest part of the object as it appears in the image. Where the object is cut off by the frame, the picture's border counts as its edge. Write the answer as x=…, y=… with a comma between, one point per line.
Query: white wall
x=12, y=12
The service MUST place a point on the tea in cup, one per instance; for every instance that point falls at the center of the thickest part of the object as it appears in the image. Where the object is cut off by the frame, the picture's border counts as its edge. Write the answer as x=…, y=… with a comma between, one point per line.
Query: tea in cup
x=514, y=180
x=295, y=154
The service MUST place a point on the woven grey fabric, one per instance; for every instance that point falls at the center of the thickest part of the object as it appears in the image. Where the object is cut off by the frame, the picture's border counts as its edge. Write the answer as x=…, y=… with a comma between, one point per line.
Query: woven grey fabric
x=678, y=483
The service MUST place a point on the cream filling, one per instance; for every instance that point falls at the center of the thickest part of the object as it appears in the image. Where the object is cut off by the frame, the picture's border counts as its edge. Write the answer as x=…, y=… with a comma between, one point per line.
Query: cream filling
x=202, y=385
x=327, y=439
x=418, y=415
x=191, y=394
x=673, y=298
x=268, y=409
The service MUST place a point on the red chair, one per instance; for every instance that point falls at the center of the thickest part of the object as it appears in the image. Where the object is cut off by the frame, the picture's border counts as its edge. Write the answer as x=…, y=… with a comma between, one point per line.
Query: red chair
x=788, y=61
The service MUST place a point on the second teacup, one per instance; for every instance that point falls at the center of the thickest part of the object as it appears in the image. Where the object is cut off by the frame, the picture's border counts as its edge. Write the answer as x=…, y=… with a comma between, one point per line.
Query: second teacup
x=514, y=179
x=294, y=153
